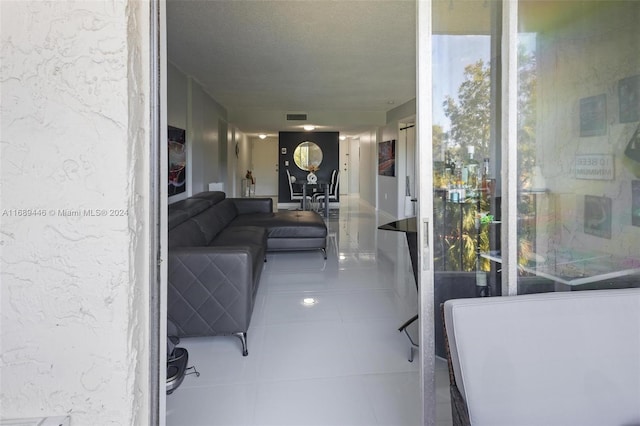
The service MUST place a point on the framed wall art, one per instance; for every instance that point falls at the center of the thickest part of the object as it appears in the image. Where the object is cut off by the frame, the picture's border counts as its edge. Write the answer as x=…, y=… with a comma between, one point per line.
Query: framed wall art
x=629, y=99
x=177, y=142
x=387, y=158
x=593, y=115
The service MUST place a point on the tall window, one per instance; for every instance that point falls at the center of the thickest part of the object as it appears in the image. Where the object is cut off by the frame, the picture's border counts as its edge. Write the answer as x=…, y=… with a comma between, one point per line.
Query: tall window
x=466, y=158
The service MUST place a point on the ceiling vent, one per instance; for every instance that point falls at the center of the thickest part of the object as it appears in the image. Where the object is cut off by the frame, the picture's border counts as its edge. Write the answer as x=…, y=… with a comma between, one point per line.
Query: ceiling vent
x=296, y=117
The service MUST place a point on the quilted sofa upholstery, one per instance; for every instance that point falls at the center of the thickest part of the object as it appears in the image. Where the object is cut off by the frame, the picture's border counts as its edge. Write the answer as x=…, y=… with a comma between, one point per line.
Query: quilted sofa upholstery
x=217, y=249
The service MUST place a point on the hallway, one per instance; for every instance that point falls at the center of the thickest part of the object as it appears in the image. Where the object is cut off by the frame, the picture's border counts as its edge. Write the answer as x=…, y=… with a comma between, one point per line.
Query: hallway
x=324, y=348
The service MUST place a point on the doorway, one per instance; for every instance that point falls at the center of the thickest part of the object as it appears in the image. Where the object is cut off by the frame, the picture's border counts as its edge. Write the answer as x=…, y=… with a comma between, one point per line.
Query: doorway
x=350, y=167
x=264, y=154
x=263, y=170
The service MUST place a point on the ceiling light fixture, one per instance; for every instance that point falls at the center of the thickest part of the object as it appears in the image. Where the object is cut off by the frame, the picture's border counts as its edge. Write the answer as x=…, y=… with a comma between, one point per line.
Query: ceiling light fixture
x=262, y=136
x=343, y=138
x=309, y=127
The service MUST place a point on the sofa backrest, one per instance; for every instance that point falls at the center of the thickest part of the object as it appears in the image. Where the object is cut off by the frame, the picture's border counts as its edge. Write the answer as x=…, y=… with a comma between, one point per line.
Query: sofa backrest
x=570, y=358
x=185, y=209
x=213, y=220
x=182, y=210
x=195, y=221
x=212, y=196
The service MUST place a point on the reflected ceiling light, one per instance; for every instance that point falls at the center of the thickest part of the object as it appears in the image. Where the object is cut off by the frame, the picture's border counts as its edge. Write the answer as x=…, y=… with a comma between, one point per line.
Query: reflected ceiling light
x=262, y=136
x=309, y=127
x=309, y=301
x=343, y=257
x=343, y=138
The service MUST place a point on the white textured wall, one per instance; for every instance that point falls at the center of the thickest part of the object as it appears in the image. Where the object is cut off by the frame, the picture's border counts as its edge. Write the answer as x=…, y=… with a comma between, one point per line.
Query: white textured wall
x=177, y=89
x=205, y=114
x=193, y=109
x=368, y=167
x=389, y=193
x=74, y=126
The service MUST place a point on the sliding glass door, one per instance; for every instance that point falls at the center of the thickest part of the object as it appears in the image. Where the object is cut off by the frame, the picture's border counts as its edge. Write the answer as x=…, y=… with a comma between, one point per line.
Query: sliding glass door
x=458, y=141
x=531, y=120
x=466, y=158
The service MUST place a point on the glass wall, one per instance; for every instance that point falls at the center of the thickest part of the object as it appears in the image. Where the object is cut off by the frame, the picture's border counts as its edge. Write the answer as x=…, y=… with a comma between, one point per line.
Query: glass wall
x=578, y=110
x=578, y=147
x=466, y=158
x=576, y=193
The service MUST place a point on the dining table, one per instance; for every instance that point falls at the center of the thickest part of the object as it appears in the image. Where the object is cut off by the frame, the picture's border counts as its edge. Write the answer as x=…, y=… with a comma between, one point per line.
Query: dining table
x=309, y=189
x=410, y=228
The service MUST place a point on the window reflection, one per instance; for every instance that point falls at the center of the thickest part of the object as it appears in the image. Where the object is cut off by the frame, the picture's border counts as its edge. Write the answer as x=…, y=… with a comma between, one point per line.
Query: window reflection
x=577, y=112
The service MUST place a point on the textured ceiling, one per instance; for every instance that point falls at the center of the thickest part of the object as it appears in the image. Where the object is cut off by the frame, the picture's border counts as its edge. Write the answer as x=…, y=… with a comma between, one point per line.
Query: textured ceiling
x=349, y=58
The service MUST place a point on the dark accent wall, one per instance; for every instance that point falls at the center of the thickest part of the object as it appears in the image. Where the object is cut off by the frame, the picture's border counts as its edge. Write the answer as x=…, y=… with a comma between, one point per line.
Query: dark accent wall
x=327, y=141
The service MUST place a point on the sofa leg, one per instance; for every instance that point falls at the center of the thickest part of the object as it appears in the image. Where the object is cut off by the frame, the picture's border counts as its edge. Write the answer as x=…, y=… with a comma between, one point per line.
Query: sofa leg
x=243, y=339
x=324, y=253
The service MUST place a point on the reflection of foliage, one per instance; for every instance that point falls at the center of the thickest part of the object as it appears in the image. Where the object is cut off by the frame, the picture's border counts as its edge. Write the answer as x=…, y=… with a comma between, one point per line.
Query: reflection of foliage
x=470, y=118
x=307, y=155
x=438, y=138
x=301, y=157
x=527, y=83
x=470, y=115
x=458, y=239
x=458, y=236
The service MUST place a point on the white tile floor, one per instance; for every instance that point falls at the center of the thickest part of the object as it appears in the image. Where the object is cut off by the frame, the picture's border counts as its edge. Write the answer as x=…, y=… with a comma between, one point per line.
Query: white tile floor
x=341, y=361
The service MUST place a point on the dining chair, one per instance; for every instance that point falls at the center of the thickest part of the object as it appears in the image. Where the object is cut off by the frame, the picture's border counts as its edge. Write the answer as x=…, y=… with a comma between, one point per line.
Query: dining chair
x=321, y=197
x=294, y=195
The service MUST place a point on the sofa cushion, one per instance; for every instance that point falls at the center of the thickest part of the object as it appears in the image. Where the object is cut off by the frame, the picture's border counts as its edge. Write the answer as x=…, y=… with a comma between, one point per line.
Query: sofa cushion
x=241, y=235
x=176, y=217
x=570, y=358
x=216, y=218
x=184, y=209
x=187, y=234
x=286, y=224
x=225, y=211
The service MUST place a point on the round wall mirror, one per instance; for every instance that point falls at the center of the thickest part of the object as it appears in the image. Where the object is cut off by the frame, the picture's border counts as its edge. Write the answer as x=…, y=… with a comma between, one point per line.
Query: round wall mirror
x=308, y=156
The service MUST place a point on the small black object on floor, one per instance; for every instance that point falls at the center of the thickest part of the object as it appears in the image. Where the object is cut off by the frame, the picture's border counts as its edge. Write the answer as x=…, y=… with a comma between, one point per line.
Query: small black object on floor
x=177, y=360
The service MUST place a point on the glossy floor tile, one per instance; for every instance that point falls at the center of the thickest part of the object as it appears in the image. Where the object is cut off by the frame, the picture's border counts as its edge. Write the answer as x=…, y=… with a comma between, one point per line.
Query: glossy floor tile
x=337, y=359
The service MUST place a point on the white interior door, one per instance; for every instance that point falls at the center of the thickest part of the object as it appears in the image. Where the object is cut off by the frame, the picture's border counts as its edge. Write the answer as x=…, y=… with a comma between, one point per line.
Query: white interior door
x=349, y=162
x=264, y=154
x=354, y=164
x=344, y=167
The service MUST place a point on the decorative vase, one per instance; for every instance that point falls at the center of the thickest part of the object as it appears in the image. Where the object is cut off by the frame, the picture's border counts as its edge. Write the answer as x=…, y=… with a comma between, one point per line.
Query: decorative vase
x=312, y=178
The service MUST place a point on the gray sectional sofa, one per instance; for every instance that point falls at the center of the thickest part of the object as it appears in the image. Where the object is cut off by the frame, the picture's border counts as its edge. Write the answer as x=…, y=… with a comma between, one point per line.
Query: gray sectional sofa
x=217, y=249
